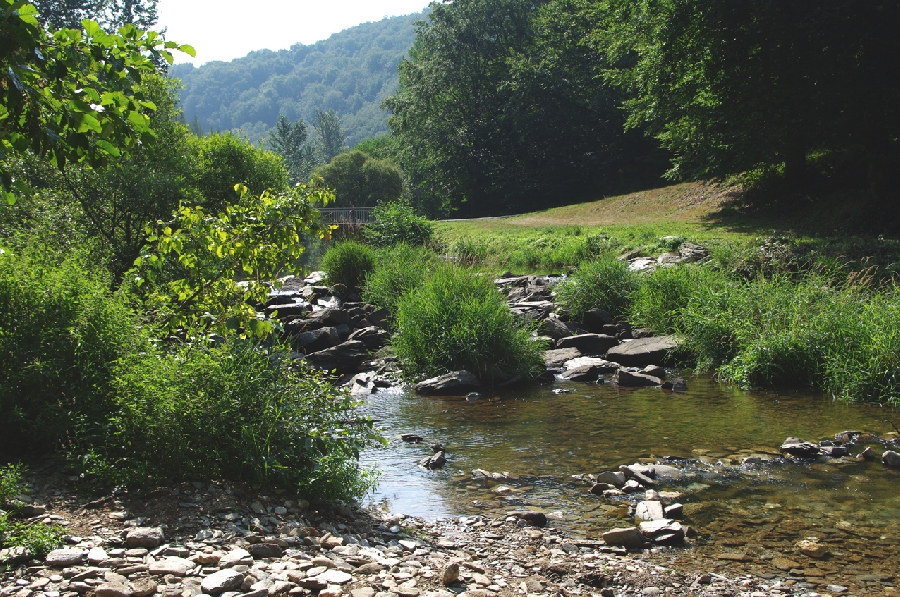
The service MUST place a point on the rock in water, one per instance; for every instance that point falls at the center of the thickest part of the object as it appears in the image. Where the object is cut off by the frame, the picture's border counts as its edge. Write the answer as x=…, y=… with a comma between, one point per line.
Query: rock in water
x=891, y=458
x=538, y=519
x=642, y=352
x=343, y=358
x=634, y=380
x=456, y=383
x=434, y=462
x=799, y=448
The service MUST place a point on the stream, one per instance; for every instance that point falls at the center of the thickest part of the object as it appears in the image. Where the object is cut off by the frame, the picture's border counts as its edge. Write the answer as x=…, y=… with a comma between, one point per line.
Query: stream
x=541, y=439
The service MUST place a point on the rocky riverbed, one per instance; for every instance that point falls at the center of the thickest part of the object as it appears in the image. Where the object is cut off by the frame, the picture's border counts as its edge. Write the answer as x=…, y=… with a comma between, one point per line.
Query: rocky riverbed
x=228, y=541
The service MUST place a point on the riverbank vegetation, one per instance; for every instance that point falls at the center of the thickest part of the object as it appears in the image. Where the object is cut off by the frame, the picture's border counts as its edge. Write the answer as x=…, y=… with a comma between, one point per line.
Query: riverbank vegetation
x=133, y=256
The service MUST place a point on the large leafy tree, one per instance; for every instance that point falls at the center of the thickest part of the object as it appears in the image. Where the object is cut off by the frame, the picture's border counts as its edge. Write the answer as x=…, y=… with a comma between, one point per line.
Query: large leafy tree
x=360, y=180
x=72, y=94
x=729, y=86
x=110, y=14
x=500, y=109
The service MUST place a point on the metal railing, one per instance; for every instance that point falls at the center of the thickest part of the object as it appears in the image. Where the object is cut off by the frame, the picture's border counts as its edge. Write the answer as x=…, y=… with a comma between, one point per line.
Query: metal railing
x=347, y=216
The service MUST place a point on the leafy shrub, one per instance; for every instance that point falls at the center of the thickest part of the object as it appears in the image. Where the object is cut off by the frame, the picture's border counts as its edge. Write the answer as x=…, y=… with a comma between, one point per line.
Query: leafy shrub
x=236, y=411
x=37, y=538
x=399, y=269
x=10, y=483
x=348, y=263
x=605, y=283
x=396, y=222
x=61, y=332
x=458, y=320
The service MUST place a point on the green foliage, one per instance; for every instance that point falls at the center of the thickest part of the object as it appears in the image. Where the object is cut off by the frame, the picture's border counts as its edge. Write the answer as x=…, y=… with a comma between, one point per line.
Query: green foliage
x=348, y=263
x=236, y=411
x=399, y=269
x=733, y=86
x=500, y=108
x=61, y=333
x=605, y=283
x=330, y=135
x=10, y=483
x=396, y=222
x=227, y=160
x=111, y=14
x=38, y=538
x=72, y=94
x=206, y=272
x=458, y=320
x=351, y=72
x=289, y=140
x=359, y=180
x=660, y=297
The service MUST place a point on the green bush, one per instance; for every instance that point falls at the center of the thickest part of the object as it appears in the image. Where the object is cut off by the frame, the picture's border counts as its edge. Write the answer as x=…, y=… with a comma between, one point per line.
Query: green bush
x=10, y=483
x=399, y=269
x=236, y=411
x=458, y=320
x=61, y=333
x=37, y=538
x=605, y=283
x=396, y=222
x=348, y=263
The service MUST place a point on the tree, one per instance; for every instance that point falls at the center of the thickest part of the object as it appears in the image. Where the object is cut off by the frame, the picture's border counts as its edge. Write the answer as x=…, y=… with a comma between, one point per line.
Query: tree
x=73, y=95
x=110, y=14
x=289, y=140
x=361, y=181
x=731, y=86
x=330, y=136
x=225, y=159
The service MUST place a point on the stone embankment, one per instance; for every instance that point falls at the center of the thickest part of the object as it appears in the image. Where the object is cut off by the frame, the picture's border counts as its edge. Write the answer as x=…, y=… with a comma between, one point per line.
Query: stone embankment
x=199, y=540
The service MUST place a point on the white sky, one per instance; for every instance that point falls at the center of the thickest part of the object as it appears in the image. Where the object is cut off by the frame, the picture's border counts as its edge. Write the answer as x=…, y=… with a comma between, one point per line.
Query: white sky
x=227, y=29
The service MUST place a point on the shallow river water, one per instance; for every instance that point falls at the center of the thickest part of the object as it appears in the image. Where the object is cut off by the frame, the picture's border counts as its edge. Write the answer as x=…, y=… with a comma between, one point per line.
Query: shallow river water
x=747, y=515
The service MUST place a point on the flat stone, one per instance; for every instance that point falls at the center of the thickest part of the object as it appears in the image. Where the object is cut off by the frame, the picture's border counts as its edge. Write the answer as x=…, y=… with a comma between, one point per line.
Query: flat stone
x=144, y=537
x=113, y=589
x=334, y=577
x=635, y=380
x=629, y=537
x=64, y=558
x=812, y=549
x=363, y=592
x=616, y=478
x=235, y=556
x=588, y=343
x=538, y=519
x=642, y=352
x=172, y=565
x=143, y=587
x=223, y=580
x=555, y=359
x=663, y=531
x=266, y=550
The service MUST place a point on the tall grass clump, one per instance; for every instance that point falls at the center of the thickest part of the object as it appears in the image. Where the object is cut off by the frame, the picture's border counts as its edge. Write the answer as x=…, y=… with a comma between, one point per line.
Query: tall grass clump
x=457, y=320
x=659, y=300
x=236, y=411
x=399, y=269
x=605, y=283
x=61, y=334
x=348, y=263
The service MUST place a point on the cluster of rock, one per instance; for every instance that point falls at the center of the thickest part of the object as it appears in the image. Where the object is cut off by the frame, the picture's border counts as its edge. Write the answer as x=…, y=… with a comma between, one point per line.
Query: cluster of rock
x=328, y=326
x=795, y=447
x=687, y=253
x=280, y=548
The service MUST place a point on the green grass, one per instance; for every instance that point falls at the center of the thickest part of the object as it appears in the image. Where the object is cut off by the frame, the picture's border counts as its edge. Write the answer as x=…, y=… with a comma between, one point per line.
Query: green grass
x=37, y=538
x=398, y=270
x=457, y=320
x=603, y=283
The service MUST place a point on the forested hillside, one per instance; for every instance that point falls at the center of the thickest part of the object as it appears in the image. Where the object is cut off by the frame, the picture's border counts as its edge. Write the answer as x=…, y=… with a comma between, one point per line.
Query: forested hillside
x=351, y=72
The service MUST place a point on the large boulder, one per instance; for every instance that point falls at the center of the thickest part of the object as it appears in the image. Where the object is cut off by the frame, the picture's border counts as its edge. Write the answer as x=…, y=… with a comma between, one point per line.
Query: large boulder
x=333, y=317
x=891, y=458
x=372, y=336
x=798, y=448
x=343, y=358
x=642, y=352
x=555, y=359
x=144, y=537
x=316, y=340
x=554, y=328
x=455, y=383
x=663, y=531
x=293, y=309
x=589, y=343
x=595, y=319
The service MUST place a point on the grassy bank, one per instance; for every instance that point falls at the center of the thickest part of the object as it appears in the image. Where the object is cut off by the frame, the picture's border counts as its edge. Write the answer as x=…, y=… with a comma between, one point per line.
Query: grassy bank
x=799, y=303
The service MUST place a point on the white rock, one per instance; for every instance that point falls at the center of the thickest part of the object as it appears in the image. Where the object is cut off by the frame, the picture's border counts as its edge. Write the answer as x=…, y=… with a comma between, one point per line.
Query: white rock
x=334, y=577
x=171, y=565
x=223, y=580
